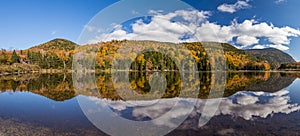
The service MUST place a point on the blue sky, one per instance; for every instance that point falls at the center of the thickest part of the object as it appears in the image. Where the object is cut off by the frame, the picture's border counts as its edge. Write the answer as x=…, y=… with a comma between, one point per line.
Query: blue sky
x=27, y=23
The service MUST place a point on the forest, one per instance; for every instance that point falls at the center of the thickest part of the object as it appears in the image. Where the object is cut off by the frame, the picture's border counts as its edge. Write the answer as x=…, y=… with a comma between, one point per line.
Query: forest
x=59, y=54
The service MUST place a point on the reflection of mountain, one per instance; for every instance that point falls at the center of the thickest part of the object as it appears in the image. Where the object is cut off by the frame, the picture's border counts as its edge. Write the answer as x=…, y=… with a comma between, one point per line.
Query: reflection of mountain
x=59, y=87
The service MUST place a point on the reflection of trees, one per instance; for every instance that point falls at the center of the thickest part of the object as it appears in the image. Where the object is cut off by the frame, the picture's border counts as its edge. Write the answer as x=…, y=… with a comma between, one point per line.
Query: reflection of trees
x=140, y=83
x=276, y=82
x=106, y=87
x=239, y=81
x=259, y=81
x=59, y=87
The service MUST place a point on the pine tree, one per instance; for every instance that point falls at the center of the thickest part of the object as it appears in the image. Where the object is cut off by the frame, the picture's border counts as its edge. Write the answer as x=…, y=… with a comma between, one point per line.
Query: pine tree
x=15, y=58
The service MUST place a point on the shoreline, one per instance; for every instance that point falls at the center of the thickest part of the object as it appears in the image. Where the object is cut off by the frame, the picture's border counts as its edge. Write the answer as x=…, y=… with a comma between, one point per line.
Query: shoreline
x=60, y=71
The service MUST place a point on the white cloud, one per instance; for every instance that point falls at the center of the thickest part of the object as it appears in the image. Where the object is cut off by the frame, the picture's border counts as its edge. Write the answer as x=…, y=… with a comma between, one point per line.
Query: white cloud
x=53, y=32
x=247, y=40
x=89, y=28
x=135, y=12
x=155, y=11
x=161, y=28
x=231, y=8
x=259, y=47
x=280, y=1
x=195, y=25
x=279, y=46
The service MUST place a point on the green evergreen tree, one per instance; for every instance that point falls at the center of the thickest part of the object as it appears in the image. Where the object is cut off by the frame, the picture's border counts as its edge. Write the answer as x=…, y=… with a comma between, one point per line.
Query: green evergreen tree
x=15, y=58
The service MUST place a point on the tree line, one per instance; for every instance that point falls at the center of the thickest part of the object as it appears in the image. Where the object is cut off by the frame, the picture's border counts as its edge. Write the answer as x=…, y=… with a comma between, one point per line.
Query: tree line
x=52, y=57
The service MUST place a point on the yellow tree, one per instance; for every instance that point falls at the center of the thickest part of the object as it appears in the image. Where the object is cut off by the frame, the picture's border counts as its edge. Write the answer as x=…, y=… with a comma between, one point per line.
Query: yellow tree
x=64, y=56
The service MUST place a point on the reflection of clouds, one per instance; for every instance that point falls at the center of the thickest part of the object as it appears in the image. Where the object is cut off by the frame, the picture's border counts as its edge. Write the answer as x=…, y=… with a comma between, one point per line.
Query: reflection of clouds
x=246, y=105
x=247, y=99
x=139, y=110
x=257, y=104
x=153, y=111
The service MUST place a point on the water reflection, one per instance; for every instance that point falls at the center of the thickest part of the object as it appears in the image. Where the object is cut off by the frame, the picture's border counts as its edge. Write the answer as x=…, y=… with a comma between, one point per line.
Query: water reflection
x=245, y=105
x=250, y=100
x=251, y=105
x=26, y=113
x=59, y=87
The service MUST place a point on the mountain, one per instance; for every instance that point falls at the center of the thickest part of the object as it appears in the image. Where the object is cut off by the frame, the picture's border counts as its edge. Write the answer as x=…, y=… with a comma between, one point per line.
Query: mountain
x=55, y=54
x=273, y=56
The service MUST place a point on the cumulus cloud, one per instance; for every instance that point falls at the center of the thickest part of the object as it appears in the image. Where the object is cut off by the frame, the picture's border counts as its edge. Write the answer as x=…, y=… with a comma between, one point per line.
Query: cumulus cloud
x=193, y=25
x=275, y=35
x=161, y=28
x=231, y=8
x=247, y=40
x=278, y=46
x=259, y=47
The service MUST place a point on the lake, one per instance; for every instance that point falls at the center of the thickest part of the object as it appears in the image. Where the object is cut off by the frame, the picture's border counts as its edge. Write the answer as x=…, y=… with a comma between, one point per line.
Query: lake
x=243, y=103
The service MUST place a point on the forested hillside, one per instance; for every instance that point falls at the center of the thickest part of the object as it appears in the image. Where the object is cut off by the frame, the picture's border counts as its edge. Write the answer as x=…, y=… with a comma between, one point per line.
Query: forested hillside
x=273, y=56
x=55, y=54
x=235, y=59
x=58, y=54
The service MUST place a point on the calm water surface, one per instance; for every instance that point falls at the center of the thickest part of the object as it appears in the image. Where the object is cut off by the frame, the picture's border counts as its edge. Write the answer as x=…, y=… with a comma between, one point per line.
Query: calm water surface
x=252, y=103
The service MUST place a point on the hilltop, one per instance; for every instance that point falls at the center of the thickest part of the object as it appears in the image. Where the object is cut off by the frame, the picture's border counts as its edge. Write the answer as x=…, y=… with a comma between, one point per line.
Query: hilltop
x=55, y=44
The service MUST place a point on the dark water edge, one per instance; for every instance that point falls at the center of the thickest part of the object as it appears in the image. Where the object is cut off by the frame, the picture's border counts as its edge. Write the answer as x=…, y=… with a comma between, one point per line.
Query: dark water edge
x=227, y=125
x=25, y=113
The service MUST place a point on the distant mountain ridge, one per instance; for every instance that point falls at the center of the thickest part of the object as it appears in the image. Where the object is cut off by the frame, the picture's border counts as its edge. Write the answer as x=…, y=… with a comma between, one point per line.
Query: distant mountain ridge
x=273, y=56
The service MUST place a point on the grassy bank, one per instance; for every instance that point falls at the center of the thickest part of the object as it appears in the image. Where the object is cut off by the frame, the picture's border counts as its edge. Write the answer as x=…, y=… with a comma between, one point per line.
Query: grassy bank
x=18, y=68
